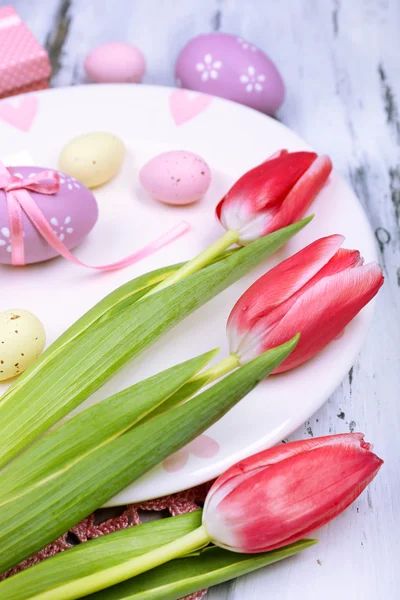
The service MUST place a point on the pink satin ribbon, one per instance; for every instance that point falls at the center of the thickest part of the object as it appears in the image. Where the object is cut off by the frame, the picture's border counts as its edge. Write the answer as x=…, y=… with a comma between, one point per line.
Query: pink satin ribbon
x=48, y=182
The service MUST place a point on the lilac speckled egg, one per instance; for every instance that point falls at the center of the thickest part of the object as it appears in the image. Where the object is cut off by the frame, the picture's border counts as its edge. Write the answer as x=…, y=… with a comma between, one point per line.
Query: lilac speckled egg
x=115, y=62
x=225, y=65
x=72, y=212
x=176, y=177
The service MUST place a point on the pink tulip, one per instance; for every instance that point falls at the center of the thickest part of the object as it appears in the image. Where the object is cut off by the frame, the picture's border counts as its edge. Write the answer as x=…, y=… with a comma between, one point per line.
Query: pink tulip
x=273, y=195
x=315, y=292
x=280, y=495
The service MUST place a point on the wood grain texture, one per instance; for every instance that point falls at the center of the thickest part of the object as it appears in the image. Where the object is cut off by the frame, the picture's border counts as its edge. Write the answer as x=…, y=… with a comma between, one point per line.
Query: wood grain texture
x=340, y=62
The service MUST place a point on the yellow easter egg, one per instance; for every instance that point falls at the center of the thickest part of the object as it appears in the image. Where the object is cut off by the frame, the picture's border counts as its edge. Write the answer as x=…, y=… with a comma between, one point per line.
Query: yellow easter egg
x=93, y=158
x=22, y=339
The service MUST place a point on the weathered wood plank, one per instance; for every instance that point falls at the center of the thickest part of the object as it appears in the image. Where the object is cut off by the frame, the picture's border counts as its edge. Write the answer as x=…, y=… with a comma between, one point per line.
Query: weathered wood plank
x=84, y=25
x=343, y=85
x=39, y=18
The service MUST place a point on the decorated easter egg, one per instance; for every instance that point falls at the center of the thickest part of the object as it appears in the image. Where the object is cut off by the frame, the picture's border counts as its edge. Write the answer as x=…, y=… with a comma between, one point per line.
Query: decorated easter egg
x=176, y=177
x=22, y=339
x=93, y=158
x=115, y=62
x=228, y=66
x=72, y=212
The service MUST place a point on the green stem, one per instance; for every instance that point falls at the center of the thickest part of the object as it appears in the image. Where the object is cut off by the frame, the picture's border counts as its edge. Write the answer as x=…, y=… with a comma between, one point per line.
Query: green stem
x=201, y=260
x=121, y=572
x=226, y=365
x=195, y=384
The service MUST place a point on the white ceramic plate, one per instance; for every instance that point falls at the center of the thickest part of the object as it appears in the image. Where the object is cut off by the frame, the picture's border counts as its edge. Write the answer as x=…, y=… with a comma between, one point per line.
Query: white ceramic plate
x=232, y=139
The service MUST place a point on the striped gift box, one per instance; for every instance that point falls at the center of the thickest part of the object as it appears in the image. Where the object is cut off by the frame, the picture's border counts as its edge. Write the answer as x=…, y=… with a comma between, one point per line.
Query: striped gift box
x=24, y=63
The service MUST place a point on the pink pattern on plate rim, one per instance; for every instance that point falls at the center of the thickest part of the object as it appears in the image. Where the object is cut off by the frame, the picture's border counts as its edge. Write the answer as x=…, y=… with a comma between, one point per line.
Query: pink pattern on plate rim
x=185, y=106
x=202, y=447
x=20, y=114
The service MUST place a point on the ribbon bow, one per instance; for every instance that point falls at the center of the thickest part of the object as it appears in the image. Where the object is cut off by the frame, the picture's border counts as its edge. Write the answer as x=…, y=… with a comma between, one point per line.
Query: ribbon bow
x=48, y=182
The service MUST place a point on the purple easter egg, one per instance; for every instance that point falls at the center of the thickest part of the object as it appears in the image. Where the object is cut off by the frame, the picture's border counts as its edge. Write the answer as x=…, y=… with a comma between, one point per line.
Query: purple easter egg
x=72, y=212
x=227, y=66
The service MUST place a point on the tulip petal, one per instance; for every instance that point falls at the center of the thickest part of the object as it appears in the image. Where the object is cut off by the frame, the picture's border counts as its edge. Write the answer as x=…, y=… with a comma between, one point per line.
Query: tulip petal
x=262, y=190
x=293, y=497
x=322, y=312
x=342, y=260
x=282, y=281
x=303, y=193
x=264, y=459
x=270, y=297
x=277, y=154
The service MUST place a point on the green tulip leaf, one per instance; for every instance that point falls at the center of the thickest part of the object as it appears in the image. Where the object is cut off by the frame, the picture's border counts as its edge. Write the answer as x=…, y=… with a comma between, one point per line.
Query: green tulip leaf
x=117, y=329
x=184, y=576
x=75, y=490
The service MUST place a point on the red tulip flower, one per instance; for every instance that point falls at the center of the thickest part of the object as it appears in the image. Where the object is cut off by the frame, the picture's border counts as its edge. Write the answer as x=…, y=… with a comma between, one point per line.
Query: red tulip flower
x=278, y=496
x=273, y=195
x=267, y=501
x=315, y=292
x=271, y=198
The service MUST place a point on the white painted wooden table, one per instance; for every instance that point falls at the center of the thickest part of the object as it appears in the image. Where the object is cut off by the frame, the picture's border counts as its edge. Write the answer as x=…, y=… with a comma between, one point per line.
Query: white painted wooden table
x=340, y=61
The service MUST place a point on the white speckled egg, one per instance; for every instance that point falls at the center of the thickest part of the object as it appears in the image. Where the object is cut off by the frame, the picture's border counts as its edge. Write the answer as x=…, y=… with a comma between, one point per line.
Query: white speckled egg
x=93, y=158
x=176, y=177
x=22, y=339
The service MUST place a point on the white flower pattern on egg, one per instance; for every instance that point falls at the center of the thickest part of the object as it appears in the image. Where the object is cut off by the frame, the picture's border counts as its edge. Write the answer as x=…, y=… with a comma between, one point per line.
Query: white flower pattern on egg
x=5, y=243
x=246, y=45
x=209, y=67
x=69, y=181
x=252, y=81
x=61, y=229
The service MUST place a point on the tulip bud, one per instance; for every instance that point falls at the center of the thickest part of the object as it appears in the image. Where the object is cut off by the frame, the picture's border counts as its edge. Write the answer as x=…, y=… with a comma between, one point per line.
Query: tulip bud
x=315, y=292
x=280, y=495
x=273, y=195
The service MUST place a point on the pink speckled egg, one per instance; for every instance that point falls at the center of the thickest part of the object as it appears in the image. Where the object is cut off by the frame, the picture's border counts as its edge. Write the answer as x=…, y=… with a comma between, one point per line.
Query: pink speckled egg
x=176, y=177
x=72, y=212
x=225, y=65
x=115, y=62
